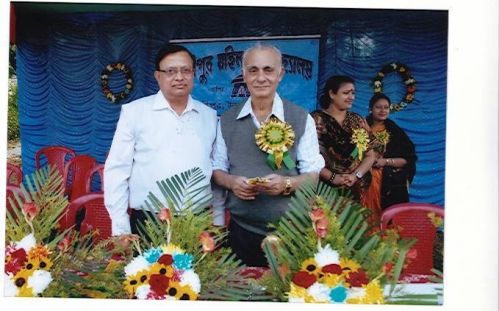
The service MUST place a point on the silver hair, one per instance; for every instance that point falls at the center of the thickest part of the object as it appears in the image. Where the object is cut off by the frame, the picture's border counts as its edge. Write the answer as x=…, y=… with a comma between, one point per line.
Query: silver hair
x=262, y=46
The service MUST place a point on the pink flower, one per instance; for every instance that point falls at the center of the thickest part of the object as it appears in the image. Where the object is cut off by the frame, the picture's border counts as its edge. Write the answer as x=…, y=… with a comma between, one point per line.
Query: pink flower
x=317, y=214
x=165, y=215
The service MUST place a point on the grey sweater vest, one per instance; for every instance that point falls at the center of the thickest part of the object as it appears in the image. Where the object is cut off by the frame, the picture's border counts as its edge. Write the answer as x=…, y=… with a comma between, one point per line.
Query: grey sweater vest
x=246, y=159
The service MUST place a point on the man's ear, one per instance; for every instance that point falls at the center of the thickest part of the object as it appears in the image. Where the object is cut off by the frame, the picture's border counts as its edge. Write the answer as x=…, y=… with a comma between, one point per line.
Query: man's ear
x=281, y=74
x=156, y=76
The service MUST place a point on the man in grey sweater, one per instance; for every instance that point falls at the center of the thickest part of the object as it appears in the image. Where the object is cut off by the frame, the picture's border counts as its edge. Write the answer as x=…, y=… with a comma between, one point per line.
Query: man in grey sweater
x=238, y=160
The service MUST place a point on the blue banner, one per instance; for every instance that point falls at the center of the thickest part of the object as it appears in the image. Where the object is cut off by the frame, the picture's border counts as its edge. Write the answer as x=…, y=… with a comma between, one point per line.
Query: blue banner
x=219, y=82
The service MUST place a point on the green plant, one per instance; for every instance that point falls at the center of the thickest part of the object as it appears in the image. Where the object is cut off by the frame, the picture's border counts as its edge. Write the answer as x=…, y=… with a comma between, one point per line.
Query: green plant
x=13, y=114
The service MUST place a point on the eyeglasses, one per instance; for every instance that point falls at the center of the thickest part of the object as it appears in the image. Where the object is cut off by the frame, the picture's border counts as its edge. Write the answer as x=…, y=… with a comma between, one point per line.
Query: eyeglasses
x=173, y=72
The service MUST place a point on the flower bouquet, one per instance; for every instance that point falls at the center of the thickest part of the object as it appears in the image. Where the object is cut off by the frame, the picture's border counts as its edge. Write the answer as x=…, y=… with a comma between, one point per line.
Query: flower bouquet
x=183, y=257
x=323, y=251
x=29, y=251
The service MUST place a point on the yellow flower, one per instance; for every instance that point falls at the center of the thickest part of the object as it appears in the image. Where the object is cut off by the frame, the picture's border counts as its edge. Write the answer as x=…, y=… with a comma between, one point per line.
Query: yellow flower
x=171, y=248
x=361, y=139
x=349, y=265
x=275, y=137
x=157, y=268
x=174, y=289
x=186, y=293
x=25, y=291
x=354, y=300
x=310, y=266
x=43, y=263
x=331, y=280
x=374, y=293
x=132, y=282
x=296, y=291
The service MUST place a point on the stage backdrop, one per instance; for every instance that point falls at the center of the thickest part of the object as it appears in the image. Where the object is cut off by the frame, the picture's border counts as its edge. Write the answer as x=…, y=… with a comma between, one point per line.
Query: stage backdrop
x=63, y=48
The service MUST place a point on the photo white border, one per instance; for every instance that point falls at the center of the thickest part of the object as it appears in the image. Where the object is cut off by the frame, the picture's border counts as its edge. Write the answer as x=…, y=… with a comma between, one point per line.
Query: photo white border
x=471, y=190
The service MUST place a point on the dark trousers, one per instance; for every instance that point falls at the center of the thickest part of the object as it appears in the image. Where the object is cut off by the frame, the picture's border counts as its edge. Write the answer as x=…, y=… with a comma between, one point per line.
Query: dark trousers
x=246, y=245
x=139, y=217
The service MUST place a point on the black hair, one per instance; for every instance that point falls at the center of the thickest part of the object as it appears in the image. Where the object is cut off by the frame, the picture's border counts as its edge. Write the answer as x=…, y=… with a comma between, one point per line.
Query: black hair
x=377, y=97
x=170, y=48
x=333, y=84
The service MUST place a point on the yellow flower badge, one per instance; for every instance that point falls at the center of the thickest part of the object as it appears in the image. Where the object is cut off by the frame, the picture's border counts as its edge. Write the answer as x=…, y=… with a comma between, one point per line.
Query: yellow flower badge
x=382, y=137
x=275, y=138
x=361, y=140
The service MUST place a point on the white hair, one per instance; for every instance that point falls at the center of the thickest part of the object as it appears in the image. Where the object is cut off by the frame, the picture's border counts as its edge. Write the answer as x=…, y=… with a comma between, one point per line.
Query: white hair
x=262, y=46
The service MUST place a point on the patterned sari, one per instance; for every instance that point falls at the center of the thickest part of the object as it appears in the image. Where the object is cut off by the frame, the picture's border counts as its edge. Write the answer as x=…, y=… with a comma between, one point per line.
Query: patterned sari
x=336, y=146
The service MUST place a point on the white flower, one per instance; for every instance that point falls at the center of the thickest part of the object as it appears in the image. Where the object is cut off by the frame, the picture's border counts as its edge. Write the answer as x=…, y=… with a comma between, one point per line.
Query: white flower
x=356, y=292
x=319, y=291
x=39, y=280
x=189, y=277
x=27, y=242
x=137, y=264
x=327, y=256
x=142, y=291
x=9, y=289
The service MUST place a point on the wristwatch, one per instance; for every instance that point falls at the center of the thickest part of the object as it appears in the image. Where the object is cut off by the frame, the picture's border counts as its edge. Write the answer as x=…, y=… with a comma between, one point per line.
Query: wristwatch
x=358, y=175
x=287, y=187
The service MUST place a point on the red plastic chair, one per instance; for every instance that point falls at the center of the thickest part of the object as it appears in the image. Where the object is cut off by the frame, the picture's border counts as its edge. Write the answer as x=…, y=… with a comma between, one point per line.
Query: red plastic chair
x=14, y=175
x=75, y=175
x=97, y=169
x=96, y=216
x=413, y=221
x=57, y=156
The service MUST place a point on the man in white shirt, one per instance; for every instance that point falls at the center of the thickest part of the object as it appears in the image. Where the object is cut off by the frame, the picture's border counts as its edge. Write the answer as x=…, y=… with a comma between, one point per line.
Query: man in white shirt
x=238, y=158
x=156, y=137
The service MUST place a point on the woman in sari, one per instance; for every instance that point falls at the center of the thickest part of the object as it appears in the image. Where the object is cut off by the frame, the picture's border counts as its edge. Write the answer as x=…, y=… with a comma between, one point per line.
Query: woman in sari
x=395, y=165
x=344, y=138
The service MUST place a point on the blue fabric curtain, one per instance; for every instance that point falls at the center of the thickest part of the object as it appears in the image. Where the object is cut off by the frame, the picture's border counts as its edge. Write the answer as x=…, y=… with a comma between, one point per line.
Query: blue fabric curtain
x=61, y=56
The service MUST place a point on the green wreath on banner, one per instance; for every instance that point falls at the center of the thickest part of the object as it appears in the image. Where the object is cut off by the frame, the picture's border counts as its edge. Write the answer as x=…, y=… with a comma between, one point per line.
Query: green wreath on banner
x=409, y=82
x=104, y=77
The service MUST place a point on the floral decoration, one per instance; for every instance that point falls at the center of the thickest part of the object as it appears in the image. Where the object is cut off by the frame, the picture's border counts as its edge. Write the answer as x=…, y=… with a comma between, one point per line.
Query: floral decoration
x=165, y=272
x=327, y=278
x=276, y=138
x=408, y=79
x=360, y=138
x=382, y=139
x=113, y=97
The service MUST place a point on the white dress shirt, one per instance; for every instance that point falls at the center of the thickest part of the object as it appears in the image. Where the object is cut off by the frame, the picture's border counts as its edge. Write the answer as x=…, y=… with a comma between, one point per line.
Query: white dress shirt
x=151, y=143
x=307, y=150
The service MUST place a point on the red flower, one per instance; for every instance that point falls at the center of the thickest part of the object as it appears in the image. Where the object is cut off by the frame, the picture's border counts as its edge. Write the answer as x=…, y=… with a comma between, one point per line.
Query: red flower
x=304, y=279
x=357, y=279
x=64, y=244
x=411, y=89
x=207, y=242
x=332, y=268
x=165, y=215
x=17, y=260
x=412, y=254
x=30, y=210
x=388, y=267
x=166, y=259
x=159, y=283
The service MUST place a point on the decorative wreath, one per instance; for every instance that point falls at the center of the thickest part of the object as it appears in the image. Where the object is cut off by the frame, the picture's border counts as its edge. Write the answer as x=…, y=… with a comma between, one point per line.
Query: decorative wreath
x=104, y=77
x=409, y=82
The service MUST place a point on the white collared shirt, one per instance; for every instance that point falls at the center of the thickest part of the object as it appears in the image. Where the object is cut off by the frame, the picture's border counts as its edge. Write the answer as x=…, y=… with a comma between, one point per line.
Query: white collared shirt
x=307, y=150
x=152, y=142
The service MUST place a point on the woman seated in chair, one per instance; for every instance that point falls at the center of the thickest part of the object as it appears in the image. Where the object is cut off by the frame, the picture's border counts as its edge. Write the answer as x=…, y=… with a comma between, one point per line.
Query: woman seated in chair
x=395, y=165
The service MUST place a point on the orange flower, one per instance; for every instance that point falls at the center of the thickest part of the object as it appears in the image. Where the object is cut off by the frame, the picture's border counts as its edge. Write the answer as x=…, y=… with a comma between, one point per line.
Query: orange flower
x=317, y=214
x=207, y=242
x=165, y=215
x=30, y=210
